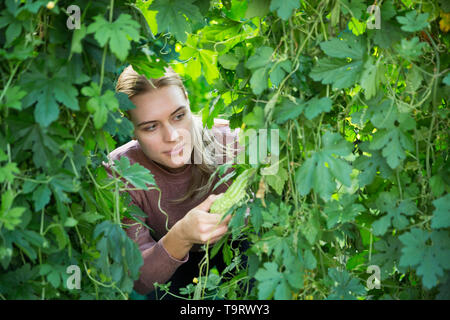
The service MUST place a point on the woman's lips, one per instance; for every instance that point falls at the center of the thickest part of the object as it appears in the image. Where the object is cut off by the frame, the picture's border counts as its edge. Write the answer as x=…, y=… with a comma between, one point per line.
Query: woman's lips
x=175, y=150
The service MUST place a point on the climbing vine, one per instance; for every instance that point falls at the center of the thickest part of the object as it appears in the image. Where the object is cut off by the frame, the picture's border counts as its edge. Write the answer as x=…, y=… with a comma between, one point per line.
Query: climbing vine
x=356, y=90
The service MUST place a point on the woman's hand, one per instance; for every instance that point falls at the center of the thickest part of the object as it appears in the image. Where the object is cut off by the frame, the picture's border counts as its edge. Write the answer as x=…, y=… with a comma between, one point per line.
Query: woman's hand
x=198, y=226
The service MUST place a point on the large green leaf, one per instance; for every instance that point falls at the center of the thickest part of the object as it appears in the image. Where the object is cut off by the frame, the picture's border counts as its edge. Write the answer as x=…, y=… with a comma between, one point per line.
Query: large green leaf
x=413, y=21
x=369, y=166
x=387, y=202
x=288, y=110
x=430, y=260
x=136, y=174
x=10, y=216
x=120, y=259
x=115, y=33
x=348, y=46
x=319, y=171
x=344, y=210
x=47, y=90
x=284, y=8
x=394, y=139
x=173, y=14
x=260, y=63
x=316, y=106
x=345, y=287
x=100, y=105
x=339, y=71
x=441, y=215
x=199, y=60
x=31, y=136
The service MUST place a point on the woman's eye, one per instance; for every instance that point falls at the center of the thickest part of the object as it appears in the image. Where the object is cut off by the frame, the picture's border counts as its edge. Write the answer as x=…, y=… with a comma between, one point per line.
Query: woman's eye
x=151, y=128
x=180, y=116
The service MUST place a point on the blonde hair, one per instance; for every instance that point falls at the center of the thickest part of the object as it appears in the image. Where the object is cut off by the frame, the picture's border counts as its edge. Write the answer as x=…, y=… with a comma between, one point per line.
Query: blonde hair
x=132, y=84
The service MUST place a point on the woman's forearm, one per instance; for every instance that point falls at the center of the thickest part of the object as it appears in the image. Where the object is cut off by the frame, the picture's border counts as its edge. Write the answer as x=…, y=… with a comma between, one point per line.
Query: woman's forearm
x=174, y=244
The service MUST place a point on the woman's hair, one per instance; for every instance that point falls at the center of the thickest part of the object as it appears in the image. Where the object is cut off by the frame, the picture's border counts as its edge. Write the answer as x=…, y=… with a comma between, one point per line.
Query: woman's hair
x=132, y=84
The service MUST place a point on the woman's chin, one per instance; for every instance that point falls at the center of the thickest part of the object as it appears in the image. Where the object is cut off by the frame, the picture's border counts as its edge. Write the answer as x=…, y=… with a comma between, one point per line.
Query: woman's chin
x=176, y=161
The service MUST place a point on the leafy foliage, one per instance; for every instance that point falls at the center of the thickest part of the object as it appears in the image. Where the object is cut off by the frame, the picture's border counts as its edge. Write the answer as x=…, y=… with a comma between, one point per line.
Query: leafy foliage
x=362, y=118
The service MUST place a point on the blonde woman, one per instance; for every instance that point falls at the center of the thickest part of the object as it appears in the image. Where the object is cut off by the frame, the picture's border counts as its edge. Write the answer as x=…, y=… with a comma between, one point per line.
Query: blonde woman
x=182, y=155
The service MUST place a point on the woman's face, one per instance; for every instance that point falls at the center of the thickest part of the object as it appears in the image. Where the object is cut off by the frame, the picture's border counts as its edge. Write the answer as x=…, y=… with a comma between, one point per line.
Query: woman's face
x=163, y=126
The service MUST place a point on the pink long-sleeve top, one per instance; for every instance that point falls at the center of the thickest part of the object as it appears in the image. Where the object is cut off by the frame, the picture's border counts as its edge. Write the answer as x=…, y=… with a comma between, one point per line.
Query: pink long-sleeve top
x=159, y=265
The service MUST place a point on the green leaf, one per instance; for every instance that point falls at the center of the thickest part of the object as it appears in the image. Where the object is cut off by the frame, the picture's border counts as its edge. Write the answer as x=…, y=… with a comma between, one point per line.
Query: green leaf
x=355, y=7
x=70, y=222
x=446, y=80
x=41, y=197
x=260, y=59
x=260, y=63
x=280, y=71
x=357, y=27
x=344, y=286
x=100, y=105
x=257, y=9
x=10, y=217
x=62, y=183
x=172, y=14
x=430, y=260
x=269, y=280
x=413, y=21
x=410, y=49
x=316, y=106
x=228, y=61
x=288, y=110
x=255, y=118
x=13, y=98
x=277, y=181
x=394, y=140
x=115, y=33
x=371, y=77
x=78, y=35
x=337, y=72
x=284, y=8
x=310, y=260
x=258, y=81
x=311, y=229
x=7, y=172
x=348, y=46
x=237, y=10
x=198, y=60
x=147, y=65
x=47, y=91
x=124, y=102
x=389, y=33
x=318, y=171
x=393, y=148
x=119, y=255
x=150, y=16
x=386, y=255
x=33, y=137
x=387, y=202
x=342, y=211
x=136, y=174
x=441, y=215
x=369, y=166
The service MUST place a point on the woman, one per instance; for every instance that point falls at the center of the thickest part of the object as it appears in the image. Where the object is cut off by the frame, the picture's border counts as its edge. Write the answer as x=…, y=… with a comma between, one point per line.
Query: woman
x=182, y=155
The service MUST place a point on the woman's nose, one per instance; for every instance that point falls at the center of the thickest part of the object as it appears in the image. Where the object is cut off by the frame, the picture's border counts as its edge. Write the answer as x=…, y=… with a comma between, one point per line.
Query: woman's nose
x=171, y=134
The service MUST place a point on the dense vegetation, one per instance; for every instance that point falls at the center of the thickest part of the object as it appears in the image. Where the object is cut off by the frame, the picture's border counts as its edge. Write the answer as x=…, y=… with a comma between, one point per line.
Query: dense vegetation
x=361, y=111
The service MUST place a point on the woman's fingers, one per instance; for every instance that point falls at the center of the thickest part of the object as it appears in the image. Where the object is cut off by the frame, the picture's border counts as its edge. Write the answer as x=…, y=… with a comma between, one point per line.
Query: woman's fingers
x=217, y=234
